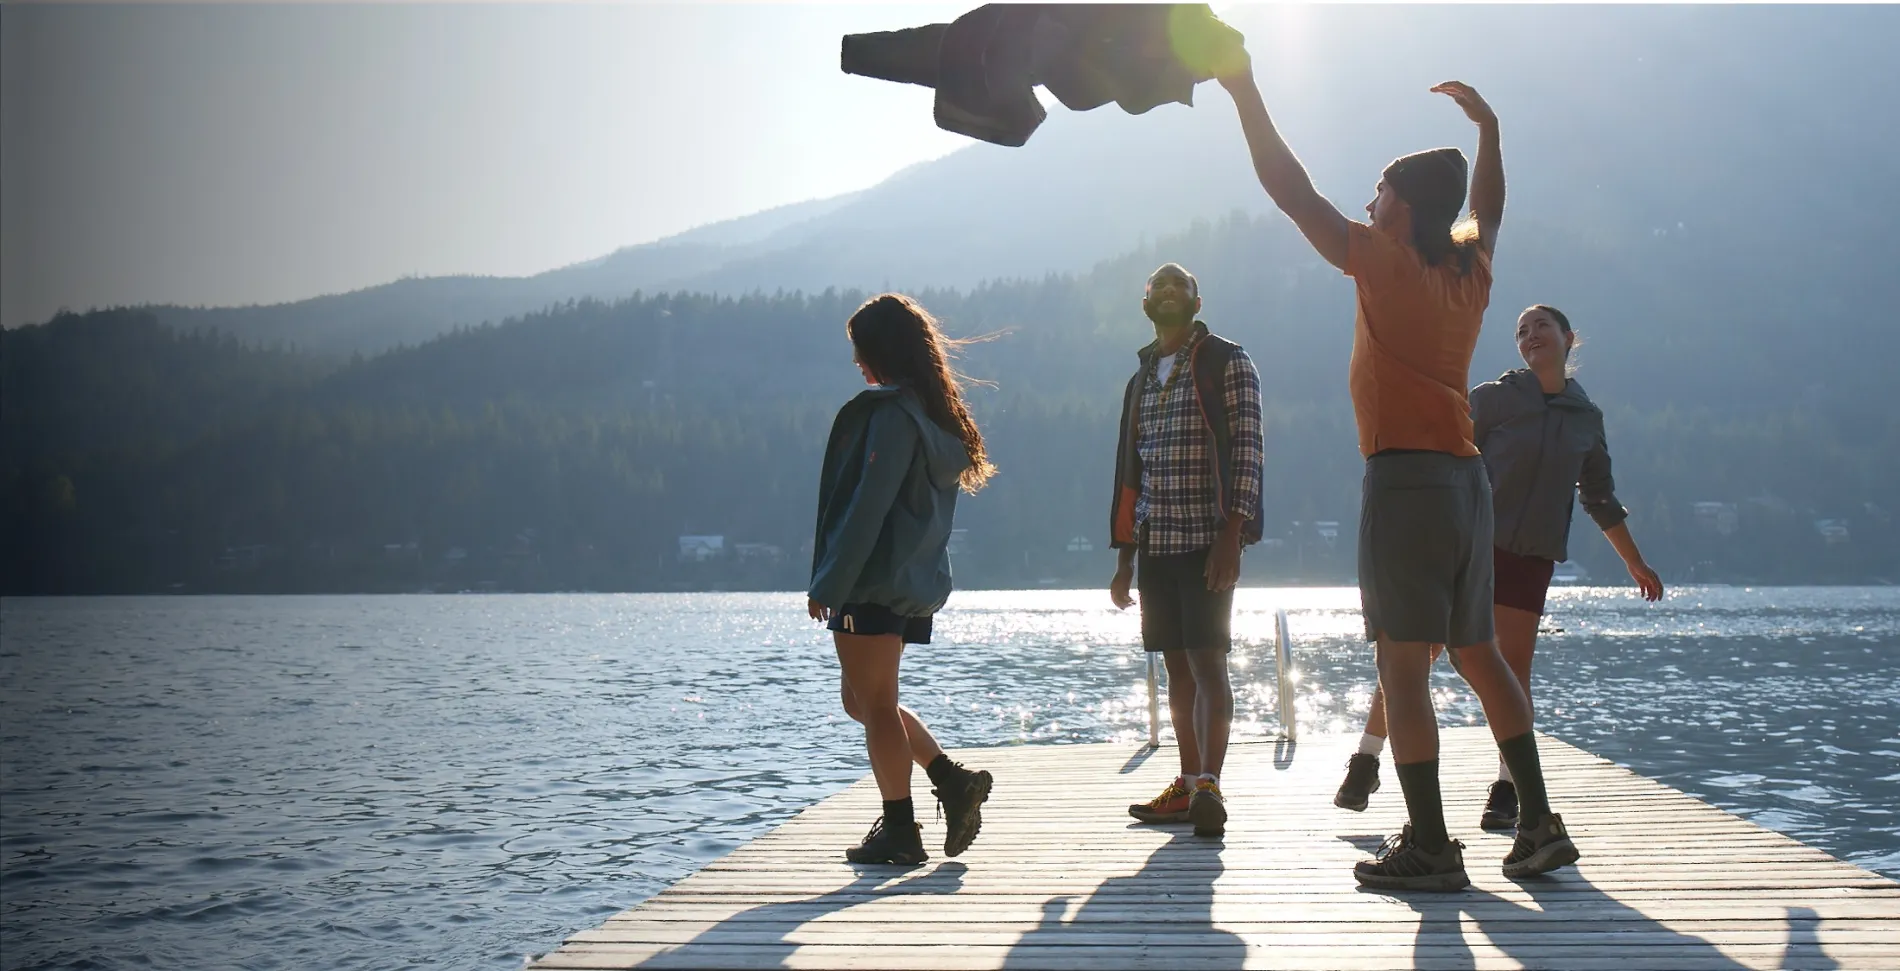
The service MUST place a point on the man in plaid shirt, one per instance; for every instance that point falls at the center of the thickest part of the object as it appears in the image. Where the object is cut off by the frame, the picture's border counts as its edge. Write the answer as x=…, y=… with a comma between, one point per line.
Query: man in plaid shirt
x=1187, y=498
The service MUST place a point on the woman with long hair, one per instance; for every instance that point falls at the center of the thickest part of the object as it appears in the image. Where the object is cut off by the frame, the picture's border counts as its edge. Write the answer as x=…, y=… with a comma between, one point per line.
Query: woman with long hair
x=1543, y=446
x=897, y=455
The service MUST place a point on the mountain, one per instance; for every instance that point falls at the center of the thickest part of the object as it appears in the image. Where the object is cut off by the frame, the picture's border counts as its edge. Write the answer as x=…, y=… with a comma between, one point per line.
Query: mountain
x=413, y=310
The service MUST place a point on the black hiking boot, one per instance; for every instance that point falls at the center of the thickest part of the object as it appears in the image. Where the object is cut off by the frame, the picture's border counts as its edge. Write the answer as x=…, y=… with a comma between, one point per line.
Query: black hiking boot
x=885, y=845
x=1405, y=865
x=960, y=799
x=1362, y=780
x=1500, y=808
x=1541, y=849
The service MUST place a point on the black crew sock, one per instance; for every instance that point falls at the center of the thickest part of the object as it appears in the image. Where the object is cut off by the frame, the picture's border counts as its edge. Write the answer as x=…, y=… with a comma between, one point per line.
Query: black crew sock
x=1419, y=780
x=899, y=815
x=1520, y=756
x=942, y=771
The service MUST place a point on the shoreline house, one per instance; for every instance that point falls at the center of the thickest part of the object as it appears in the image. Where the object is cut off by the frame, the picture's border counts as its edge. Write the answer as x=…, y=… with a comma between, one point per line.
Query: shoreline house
x=701, y=549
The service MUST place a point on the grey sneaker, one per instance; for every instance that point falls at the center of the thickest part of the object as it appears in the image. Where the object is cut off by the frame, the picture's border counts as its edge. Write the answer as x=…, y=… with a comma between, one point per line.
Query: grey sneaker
x=1405, y=865
x=1541, y=849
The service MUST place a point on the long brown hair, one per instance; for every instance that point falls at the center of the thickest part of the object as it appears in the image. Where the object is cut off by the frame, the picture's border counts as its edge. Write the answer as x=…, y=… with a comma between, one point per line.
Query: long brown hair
x=900, y=342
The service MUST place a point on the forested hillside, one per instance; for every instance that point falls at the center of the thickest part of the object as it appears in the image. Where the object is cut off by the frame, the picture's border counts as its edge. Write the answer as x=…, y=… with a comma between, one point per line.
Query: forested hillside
x=573, y=447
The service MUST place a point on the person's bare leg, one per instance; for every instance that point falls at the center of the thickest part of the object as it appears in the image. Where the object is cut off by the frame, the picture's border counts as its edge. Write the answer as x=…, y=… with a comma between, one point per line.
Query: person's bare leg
x=1375, y=715
x=1508, y=709
x=1405, y=686
x=1517, y=640
x=1405, y=676
x=923, y=745
x=1181, y=705
x=1213, y=707
x=870, y=665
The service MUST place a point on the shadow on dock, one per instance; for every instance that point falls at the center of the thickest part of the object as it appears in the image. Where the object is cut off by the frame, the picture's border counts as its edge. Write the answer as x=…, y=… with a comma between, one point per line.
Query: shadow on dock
x=1804, y=950
x=783, y=918
x=1188, y=912
x=1060, y=883
x=1521, y=932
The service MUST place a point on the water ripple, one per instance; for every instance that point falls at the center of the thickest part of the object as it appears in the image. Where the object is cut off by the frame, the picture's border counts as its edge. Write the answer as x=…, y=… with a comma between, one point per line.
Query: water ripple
x=368, y=782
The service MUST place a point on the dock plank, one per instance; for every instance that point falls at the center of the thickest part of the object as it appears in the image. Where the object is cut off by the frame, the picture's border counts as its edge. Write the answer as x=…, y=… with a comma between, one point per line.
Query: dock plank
x=1062, y=880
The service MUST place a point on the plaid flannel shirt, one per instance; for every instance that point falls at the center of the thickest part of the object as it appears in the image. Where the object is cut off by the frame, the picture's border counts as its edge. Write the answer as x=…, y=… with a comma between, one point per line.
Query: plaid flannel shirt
x=1177, y=503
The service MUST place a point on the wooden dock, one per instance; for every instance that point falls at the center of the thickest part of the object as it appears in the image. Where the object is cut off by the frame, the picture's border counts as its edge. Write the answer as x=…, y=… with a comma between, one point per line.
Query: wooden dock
x=1061, y=879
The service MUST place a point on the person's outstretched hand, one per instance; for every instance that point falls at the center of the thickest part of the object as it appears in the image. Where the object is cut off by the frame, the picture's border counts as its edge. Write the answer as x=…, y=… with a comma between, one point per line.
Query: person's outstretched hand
x=1468, y=99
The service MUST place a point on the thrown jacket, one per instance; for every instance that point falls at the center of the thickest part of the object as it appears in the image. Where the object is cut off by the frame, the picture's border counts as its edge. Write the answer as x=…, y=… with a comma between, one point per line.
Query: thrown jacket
x=886, y=497
x=986, y=64
x=1540, y=456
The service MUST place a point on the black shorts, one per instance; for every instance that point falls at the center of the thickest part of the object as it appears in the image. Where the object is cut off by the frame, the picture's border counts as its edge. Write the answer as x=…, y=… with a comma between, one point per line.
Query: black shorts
x=873, y=620
x=1178, y=612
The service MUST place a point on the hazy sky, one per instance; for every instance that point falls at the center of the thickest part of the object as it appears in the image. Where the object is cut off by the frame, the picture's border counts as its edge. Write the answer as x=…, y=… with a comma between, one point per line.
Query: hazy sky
x=221, y=154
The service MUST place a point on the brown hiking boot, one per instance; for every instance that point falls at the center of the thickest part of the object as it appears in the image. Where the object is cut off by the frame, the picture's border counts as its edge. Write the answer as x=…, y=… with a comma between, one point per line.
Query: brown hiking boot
x=1169, y=807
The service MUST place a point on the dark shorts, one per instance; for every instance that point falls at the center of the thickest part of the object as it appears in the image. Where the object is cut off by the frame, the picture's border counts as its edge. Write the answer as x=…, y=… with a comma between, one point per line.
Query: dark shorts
x=873, y=620
x=1178, y=612
x=1425, y=548
x=1522, y=581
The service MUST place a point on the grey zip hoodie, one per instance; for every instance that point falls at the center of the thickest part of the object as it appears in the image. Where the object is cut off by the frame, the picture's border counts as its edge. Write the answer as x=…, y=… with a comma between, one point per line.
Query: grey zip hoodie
x=1540, y=456
x=886, y=499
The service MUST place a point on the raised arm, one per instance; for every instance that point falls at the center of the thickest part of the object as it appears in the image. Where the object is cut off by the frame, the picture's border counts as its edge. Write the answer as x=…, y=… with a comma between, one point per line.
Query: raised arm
x=1281, y=173
x=1487, y=177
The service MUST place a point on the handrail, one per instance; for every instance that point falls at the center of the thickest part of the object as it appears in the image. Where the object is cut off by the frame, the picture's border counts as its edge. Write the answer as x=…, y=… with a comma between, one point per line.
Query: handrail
x=1154, y=704
x=1283, y=671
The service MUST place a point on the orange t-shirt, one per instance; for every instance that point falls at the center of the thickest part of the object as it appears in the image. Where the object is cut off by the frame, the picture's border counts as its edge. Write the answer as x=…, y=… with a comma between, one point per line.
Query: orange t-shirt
x=1412, y=343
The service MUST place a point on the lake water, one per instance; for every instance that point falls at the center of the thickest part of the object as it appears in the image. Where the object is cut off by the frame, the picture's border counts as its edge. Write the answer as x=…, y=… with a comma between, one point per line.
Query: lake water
x=462, y=781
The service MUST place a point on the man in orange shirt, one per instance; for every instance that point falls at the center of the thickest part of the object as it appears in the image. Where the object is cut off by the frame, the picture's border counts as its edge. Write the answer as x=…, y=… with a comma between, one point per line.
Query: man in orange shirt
x=1425, y=524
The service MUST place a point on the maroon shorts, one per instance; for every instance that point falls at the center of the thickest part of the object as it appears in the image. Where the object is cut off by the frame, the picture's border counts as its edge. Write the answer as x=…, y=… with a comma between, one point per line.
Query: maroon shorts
x=1522, y=581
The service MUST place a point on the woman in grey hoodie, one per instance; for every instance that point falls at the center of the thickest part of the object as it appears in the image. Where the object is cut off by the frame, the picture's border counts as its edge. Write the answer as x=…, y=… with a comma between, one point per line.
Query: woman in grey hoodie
x=1543, y=445
x=897, y=455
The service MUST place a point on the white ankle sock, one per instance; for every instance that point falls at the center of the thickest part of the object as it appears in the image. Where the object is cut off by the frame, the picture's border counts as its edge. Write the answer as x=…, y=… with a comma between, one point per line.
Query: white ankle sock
x=1371, y=744
x=1504, y=772
x=1207, y=777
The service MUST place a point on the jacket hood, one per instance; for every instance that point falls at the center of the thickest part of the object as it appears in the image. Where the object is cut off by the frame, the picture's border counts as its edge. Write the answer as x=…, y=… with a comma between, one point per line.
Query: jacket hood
x=945, y=458
x=1524, y=381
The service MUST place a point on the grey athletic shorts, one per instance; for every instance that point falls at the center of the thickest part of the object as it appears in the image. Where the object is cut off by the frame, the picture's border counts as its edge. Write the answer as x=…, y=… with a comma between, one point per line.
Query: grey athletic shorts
x=1425, y=565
